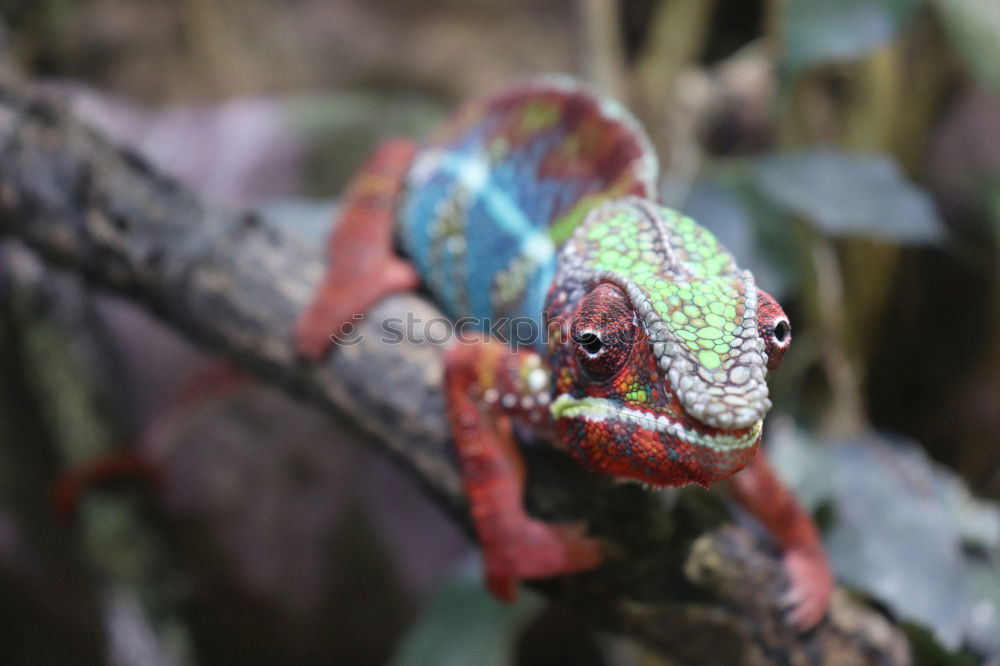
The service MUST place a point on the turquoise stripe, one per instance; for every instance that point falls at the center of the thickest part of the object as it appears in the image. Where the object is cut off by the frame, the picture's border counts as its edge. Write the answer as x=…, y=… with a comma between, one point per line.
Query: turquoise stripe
x=474, y=174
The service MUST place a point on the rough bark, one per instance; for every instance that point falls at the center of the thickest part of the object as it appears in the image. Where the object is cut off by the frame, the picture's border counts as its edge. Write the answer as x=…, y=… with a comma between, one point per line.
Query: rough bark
x=699, y=593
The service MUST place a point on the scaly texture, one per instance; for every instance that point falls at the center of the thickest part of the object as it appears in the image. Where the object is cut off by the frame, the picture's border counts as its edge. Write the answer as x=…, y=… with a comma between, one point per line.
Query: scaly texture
x=505, y=180
x=699, y=310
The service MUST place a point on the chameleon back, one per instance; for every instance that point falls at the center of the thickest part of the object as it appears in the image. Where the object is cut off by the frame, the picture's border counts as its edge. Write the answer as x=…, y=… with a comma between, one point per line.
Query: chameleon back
x=504, y=181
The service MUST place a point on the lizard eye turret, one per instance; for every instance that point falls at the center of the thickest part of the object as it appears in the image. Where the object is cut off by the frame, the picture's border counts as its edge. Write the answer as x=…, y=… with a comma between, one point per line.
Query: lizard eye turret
x=774, y=329
x=603, y=332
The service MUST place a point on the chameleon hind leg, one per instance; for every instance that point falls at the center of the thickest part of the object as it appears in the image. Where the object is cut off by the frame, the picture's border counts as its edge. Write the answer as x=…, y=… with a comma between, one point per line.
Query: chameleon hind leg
x=141, y=459
x=515, y=545
x=362, y=266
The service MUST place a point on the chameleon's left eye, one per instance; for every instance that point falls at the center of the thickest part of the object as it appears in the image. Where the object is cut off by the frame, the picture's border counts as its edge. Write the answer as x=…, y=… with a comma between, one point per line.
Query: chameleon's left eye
x=774, y=329
x=603, y=332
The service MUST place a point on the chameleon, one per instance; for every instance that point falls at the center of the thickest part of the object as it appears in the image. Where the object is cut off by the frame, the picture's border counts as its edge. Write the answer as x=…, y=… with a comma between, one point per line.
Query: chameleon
x=647, y=348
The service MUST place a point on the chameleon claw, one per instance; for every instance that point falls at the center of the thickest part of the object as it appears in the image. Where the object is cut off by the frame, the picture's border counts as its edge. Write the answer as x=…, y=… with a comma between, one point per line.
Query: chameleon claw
x=502, y=586
x=810, y=587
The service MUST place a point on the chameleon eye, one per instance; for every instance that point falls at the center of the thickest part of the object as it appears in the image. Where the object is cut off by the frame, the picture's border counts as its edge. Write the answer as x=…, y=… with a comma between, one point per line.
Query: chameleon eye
x=781, y=331
x=589, y=342
x=603, y=332
x=774, y=329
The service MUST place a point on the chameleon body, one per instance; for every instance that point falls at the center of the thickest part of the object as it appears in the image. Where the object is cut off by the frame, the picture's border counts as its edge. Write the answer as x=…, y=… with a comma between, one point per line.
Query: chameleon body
x=505, y=181
x=509, y=180
x=648, y=346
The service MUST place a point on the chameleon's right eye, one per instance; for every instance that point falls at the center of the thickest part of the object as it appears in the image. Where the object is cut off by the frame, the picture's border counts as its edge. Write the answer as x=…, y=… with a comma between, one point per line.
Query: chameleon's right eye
x=603, y=332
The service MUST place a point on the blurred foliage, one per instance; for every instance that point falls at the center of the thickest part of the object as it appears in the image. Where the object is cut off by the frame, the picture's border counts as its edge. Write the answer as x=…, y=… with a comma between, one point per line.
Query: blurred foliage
x=974, y=28
x=929, y=652
x=489, y=629
x=850, y=195
x=818, y=32
x=121, y=539
x=903, y=530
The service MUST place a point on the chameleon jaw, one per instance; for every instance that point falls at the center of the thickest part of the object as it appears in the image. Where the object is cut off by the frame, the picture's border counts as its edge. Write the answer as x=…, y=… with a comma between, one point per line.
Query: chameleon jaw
x=629, y=444
x=601, y=409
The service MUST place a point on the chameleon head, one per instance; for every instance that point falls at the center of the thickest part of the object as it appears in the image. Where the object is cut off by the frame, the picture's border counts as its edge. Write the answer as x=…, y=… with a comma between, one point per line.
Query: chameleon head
x=659, y=347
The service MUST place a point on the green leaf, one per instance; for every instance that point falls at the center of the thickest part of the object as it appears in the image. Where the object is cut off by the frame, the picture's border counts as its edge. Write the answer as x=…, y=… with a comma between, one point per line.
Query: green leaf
x=464, y=625
x=928, y=651
x=850, y=195
x=974, y=28
x=819, y=31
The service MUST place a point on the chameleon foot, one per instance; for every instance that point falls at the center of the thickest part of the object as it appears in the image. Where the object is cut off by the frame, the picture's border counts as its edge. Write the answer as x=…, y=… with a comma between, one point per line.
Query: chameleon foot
x=764, y=495
x=341, y=297
x=515, y=545
x=810, y=587
x=537, y=550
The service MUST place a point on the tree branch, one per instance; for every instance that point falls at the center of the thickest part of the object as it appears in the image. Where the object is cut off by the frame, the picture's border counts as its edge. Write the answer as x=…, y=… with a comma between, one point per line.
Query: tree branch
x=230, y=281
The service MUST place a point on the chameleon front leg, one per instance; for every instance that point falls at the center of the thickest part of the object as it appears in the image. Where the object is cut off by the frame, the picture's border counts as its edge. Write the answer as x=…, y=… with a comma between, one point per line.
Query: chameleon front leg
x=515, y=545
x=362, y=266
x=758, y=489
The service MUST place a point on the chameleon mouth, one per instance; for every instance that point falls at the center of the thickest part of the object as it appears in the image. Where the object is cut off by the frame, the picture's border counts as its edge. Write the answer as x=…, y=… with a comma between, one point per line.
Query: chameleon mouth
x=601, y=409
